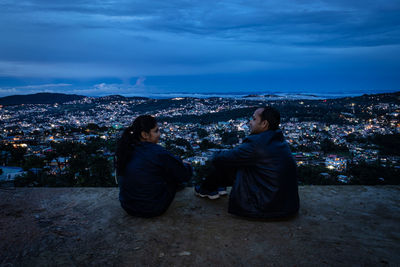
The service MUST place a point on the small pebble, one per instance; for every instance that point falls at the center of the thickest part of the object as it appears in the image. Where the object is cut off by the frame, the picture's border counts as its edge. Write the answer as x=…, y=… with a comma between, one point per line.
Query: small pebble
x=185, y=253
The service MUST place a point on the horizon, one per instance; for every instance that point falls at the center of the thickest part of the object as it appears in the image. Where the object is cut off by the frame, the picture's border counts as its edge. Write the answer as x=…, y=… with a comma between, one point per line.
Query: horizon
x=251, y=95
x=147, y=47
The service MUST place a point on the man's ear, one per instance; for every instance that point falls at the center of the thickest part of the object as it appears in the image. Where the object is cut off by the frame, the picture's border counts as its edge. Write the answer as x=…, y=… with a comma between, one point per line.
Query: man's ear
x=265, y=124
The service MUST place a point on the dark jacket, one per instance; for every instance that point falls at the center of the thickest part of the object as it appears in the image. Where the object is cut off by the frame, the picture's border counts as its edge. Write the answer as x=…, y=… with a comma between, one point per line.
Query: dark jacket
x=151, y=179
x=266, y=183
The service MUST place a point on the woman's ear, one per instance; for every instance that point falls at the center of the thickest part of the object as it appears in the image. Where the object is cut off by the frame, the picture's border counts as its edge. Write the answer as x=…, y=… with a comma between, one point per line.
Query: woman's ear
x=145, y=136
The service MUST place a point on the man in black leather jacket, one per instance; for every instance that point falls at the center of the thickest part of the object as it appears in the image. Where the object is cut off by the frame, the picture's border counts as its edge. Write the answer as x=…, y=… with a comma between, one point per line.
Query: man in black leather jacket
x=261, y=170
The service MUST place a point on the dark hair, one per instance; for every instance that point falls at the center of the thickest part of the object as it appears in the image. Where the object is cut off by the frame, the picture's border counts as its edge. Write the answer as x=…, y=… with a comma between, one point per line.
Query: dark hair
x=130, y=138
x=273, y=117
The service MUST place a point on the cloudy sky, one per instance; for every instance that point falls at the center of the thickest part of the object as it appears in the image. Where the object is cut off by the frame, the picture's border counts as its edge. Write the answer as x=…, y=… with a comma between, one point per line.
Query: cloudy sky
x=139, y=46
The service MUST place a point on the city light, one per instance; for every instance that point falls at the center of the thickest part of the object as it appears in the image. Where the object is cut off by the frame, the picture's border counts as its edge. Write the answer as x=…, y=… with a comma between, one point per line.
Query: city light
x=36, y=128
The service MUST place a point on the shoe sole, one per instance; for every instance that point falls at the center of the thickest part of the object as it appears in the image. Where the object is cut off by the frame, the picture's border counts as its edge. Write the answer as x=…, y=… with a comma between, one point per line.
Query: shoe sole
x=222, y=193
x=210, y=197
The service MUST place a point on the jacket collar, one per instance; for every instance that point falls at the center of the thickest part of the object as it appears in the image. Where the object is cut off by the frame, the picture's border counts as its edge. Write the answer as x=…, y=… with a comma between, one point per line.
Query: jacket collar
x=264, y=135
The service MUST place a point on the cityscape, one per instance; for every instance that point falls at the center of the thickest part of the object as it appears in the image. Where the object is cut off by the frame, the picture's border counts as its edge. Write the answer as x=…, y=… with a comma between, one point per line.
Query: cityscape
x=76, y=190
x=73, y=143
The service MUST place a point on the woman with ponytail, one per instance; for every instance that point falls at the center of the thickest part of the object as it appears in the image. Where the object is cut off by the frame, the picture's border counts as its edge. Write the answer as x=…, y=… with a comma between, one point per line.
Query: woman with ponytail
x=148, y=175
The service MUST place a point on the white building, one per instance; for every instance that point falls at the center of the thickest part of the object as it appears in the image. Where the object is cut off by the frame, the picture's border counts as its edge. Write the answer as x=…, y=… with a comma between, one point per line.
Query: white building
x=334, y=162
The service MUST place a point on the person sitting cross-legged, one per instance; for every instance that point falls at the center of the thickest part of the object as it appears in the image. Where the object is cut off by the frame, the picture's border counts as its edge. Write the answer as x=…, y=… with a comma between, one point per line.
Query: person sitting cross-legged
x=148, y=175
x=261, y=171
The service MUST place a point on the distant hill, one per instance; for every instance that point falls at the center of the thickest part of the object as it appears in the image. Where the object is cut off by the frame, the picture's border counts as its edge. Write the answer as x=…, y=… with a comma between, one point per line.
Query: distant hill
x=392, y=98
x=120, y=98
x=39, y=98
x=138, y=98
x=111, y=98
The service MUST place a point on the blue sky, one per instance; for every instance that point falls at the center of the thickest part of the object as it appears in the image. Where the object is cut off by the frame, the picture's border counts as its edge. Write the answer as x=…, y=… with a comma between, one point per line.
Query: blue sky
x=138, y=47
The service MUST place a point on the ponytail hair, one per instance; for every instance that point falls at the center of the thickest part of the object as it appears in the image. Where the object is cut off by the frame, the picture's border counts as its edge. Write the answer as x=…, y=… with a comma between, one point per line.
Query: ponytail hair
x=131, y=138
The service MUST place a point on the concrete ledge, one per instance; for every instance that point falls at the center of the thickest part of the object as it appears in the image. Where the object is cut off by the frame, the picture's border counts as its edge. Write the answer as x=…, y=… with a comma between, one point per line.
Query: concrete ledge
x=337, y=226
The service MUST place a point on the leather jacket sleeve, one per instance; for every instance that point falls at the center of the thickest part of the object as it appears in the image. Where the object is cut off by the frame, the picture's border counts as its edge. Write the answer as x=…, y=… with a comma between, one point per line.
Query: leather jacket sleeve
x=242, y=155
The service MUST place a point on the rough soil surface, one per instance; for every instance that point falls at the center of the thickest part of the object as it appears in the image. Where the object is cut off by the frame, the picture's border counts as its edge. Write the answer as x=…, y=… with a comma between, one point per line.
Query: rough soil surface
x=336, y=226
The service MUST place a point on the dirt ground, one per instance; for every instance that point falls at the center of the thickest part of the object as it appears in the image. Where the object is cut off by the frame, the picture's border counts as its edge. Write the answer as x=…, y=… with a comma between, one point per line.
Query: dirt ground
x=336, y=226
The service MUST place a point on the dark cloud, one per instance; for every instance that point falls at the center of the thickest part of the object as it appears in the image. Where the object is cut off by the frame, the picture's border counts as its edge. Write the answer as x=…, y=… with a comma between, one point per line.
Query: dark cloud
x=238, y=20
x=124, y=39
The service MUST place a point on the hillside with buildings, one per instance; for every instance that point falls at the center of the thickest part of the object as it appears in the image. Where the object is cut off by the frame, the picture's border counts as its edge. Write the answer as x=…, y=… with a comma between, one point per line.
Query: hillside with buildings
x=334, y=141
